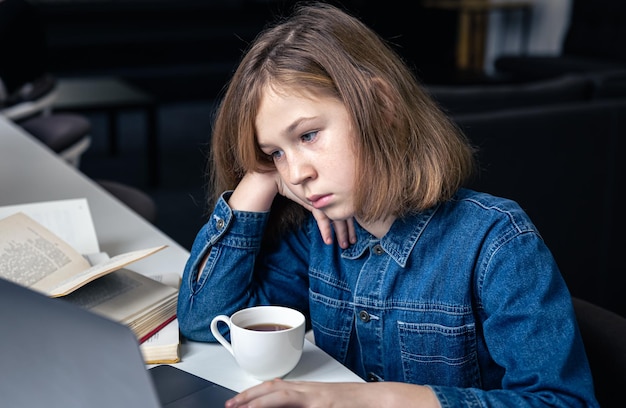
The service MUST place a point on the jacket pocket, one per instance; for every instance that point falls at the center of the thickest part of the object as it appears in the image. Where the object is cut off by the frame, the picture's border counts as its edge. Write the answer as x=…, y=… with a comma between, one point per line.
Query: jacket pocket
x=439, y=355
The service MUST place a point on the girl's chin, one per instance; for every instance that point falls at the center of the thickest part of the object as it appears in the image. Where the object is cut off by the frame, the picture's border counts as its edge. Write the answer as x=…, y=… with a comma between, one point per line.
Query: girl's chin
x=337, y=213
x=339, y=217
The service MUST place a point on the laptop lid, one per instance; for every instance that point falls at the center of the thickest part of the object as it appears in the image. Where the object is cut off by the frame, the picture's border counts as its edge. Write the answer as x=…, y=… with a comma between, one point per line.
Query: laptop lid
x=180, y=389
x=54, y=354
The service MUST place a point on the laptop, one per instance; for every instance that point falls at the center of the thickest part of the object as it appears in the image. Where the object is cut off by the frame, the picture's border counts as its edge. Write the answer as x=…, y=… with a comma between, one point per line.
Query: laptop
x=55, y=354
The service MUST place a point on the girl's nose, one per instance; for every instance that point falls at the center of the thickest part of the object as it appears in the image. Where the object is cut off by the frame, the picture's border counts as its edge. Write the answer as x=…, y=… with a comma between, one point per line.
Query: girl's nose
x=300, y=170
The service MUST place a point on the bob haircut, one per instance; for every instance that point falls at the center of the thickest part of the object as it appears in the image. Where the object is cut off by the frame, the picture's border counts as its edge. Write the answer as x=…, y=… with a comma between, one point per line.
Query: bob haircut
x=410, y=155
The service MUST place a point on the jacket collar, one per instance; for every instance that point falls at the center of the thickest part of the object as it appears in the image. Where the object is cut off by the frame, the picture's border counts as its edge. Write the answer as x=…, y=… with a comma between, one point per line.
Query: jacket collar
x=398, y=242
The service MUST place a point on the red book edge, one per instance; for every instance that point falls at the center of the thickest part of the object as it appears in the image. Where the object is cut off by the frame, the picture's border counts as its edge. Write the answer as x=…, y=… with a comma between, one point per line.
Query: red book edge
x=156, y=329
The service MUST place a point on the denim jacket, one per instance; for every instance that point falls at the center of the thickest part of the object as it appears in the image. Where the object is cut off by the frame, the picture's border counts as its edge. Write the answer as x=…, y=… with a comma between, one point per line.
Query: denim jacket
x=464, y=297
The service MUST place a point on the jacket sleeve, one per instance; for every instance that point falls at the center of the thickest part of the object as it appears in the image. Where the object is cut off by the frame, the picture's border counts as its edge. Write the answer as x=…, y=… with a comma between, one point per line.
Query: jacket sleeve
x=235, y=276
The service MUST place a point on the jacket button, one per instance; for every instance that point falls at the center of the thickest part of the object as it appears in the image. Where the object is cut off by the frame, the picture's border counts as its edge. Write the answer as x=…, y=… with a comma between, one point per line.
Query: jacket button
x=378, y=250
x=364, y=316
x=219, y=224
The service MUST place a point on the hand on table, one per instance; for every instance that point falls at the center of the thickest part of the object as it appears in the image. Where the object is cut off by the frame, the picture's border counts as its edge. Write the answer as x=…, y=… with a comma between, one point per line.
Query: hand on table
x=298, y=394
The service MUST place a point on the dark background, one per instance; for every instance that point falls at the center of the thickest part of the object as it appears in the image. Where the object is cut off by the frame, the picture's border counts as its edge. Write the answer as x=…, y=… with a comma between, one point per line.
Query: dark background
x=186, y=49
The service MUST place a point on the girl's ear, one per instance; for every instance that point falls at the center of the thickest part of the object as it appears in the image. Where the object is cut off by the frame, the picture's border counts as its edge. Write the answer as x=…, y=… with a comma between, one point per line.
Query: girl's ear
x=386, y=99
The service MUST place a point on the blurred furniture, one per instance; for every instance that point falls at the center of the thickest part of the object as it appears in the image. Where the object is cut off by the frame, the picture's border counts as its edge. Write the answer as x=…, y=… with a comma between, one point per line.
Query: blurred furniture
x=111, y=96
x=68, y=135
x=27, y=89
x=463, y=99
x=603, y=333
x=594, y=41
x=473, y=20
x=608, y=84
x=32, y=98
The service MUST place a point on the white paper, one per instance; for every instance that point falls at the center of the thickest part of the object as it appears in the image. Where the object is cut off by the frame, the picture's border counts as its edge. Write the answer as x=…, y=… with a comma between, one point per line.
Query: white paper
x=68, y=219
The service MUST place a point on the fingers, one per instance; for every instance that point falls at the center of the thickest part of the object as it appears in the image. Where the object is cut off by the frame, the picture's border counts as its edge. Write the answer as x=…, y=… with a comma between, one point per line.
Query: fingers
x=345, y=233
x=351, y=231
x=343, y=230
x=342, y=233
x=275, y=393
x=325, y=226
x=306, y=394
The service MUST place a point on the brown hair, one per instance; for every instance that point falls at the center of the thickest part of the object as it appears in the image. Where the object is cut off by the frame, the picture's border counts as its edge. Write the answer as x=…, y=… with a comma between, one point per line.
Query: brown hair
x=410, y=155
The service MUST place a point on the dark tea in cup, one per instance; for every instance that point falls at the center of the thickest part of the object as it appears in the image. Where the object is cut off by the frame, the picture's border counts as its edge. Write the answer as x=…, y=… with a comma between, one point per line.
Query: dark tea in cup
x=267, y=327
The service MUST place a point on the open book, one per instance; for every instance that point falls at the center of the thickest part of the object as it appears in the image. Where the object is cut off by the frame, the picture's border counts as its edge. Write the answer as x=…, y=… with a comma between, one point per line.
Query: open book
x=33, y=256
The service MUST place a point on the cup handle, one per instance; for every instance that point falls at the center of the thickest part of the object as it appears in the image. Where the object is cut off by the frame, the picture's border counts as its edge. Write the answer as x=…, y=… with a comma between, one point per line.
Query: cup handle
x=216, y=333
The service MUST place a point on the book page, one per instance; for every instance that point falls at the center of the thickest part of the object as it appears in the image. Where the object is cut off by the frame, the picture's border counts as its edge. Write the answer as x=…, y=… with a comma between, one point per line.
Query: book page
x=121, y=295
x=165, y=337
x=71, y=283
x=170, y=279
x=32, y=256
x=70, y=220
x=164, y=346
x=128, y=297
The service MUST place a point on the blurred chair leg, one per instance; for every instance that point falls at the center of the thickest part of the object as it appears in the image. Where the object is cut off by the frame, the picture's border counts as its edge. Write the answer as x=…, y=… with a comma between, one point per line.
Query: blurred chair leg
x=66, y=134
x=73, y=154
x=134, y=198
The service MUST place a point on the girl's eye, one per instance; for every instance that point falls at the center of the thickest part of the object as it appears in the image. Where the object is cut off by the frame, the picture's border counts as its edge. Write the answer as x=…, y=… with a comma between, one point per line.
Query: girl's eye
x=309, y=136
x=305, y=138
x=276, y=155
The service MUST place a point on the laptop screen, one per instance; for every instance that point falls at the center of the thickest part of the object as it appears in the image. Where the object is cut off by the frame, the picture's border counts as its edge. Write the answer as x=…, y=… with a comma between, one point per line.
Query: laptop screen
x=54, y=354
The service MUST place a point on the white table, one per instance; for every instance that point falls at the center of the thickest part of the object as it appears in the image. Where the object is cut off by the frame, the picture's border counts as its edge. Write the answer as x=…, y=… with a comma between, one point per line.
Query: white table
x=213, y=362
x=30, y=172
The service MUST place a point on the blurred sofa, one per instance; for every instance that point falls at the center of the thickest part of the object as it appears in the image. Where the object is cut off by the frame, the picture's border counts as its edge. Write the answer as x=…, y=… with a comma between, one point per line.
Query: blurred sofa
x=594, y=40
x=464, y=99
x=555, y=147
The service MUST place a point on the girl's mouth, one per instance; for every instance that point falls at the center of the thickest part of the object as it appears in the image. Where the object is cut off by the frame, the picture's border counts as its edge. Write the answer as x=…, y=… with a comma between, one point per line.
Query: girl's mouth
x=319, y=201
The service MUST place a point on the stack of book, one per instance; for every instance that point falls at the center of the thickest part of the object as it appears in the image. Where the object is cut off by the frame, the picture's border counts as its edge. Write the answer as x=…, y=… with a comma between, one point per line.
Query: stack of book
x=35, y=255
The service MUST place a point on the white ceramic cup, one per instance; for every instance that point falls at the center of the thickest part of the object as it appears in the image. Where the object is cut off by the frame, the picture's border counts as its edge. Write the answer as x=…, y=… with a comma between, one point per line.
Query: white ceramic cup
x=264, y=355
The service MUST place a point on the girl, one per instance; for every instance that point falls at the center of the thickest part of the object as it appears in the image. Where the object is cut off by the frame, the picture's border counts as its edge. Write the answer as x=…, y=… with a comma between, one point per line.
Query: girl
x=436, y=295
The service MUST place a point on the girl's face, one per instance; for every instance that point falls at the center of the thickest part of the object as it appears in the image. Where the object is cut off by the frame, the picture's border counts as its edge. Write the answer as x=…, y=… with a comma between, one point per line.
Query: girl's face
x=310, y=141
